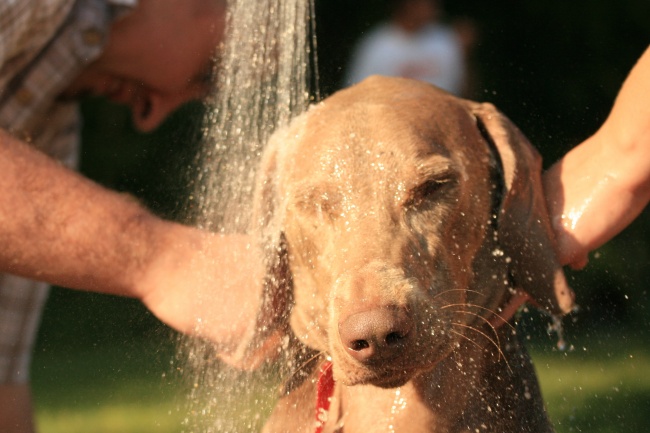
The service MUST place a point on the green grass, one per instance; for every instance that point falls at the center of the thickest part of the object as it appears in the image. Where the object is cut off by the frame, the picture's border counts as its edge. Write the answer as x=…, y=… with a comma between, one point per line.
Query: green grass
x=602, y=388
x=108, y=390
x=599, y=387
x=111, y=418
x=135, y=388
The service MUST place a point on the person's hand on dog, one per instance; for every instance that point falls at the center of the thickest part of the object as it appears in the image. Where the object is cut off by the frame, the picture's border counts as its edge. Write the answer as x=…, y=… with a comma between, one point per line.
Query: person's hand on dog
x=603, y=184
x=210, y=286
x=205, y=285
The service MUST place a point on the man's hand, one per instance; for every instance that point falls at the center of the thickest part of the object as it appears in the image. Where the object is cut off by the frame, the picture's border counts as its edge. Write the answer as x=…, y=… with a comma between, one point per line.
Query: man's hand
x=205, y=285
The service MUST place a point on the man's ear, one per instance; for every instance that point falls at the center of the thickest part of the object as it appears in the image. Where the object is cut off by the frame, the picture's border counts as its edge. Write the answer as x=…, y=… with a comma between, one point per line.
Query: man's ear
x=524, y=228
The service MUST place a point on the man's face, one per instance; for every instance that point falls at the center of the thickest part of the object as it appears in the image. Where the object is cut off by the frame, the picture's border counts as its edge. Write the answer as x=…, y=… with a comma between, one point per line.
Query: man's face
x=157, y=58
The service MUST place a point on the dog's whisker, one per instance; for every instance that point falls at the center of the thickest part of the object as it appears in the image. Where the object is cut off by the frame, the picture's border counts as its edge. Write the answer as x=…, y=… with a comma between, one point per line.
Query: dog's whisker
x=497, y=315
x=487, y=337
x=494, y=329
x=310, y=359
x=471, y=328
x=444, y=292
x=496, y=334
x=466, y=338
x=304, y=365
x=479, y=346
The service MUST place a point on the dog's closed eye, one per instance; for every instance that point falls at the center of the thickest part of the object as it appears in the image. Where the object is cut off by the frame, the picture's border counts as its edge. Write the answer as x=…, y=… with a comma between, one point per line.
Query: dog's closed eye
x=428, y=201
x=428, y=192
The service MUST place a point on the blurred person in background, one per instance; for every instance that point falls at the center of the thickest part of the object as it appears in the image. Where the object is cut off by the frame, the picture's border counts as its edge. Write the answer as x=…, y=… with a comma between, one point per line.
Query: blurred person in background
x=413, y=43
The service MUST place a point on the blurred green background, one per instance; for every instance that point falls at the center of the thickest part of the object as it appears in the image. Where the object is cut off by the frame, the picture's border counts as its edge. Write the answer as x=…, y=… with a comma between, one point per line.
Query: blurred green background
x=104, y=364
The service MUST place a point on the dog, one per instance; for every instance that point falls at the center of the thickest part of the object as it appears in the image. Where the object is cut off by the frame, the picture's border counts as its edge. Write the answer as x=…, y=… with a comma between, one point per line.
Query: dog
x=403, y=228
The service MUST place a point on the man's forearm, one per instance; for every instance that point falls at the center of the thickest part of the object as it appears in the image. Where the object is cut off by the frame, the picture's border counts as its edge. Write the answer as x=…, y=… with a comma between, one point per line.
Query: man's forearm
x=60, y=227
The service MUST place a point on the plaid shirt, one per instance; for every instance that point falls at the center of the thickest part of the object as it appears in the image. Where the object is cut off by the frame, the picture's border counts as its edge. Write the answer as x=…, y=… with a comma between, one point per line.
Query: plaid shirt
x=44, y=44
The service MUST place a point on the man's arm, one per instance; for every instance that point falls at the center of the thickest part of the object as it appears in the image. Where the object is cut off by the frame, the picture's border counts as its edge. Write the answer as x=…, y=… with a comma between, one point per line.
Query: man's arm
x=60, y=227
x=603, y=184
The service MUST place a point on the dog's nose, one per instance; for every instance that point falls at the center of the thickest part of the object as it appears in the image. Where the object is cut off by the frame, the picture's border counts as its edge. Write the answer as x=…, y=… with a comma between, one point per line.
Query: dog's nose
x=376, y=335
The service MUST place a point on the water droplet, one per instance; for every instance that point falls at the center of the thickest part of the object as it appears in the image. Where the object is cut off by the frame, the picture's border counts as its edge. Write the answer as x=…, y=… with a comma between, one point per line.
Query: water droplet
x=556, y=327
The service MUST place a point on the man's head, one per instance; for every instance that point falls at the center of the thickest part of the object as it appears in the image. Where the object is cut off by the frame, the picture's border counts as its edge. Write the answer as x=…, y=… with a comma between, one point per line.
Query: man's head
x=157, y=57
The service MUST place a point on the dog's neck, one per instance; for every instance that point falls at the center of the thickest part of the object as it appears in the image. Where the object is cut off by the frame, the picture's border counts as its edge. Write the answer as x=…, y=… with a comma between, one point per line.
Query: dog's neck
x=478, y=387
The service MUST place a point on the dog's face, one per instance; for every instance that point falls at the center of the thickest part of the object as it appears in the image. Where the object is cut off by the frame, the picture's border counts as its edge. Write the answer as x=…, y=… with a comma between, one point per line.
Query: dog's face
x=387, y=196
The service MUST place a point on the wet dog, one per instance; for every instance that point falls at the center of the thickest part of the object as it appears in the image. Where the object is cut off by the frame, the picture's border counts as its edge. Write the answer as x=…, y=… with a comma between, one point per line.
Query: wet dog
x=403, y=227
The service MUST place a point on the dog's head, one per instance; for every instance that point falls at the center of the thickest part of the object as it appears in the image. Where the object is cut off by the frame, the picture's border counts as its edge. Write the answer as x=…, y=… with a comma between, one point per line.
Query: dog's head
x=407, y=216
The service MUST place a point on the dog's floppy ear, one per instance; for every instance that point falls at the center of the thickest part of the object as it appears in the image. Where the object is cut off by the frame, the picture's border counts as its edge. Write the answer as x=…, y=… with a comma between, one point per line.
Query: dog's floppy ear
x=264, y=338
x=524, y=228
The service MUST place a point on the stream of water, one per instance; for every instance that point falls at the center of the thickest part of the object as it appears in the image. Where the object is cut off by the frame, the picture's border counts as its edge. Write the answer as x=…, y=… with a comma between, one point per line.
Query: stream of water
x=262, y=80
x=261, y=83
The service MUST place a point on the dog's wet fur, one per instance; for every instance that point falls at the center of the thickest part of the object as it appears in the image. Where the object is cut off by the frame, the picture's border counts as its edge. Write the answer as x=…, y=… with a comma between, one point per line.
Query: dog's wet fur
x=400, y=221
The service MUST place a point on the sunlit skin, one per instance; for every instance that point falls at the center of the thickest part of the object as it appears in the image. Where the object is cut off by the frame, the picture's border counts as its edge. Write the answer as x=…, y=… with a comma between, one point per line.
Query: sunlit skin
x=157, y=57
x=603, y=184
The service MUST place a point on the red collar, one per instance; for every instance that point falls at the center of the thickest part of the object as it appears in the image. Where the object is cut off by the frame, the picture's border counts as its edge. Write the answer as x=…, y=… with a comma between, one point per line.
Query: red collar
x=324, y=393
